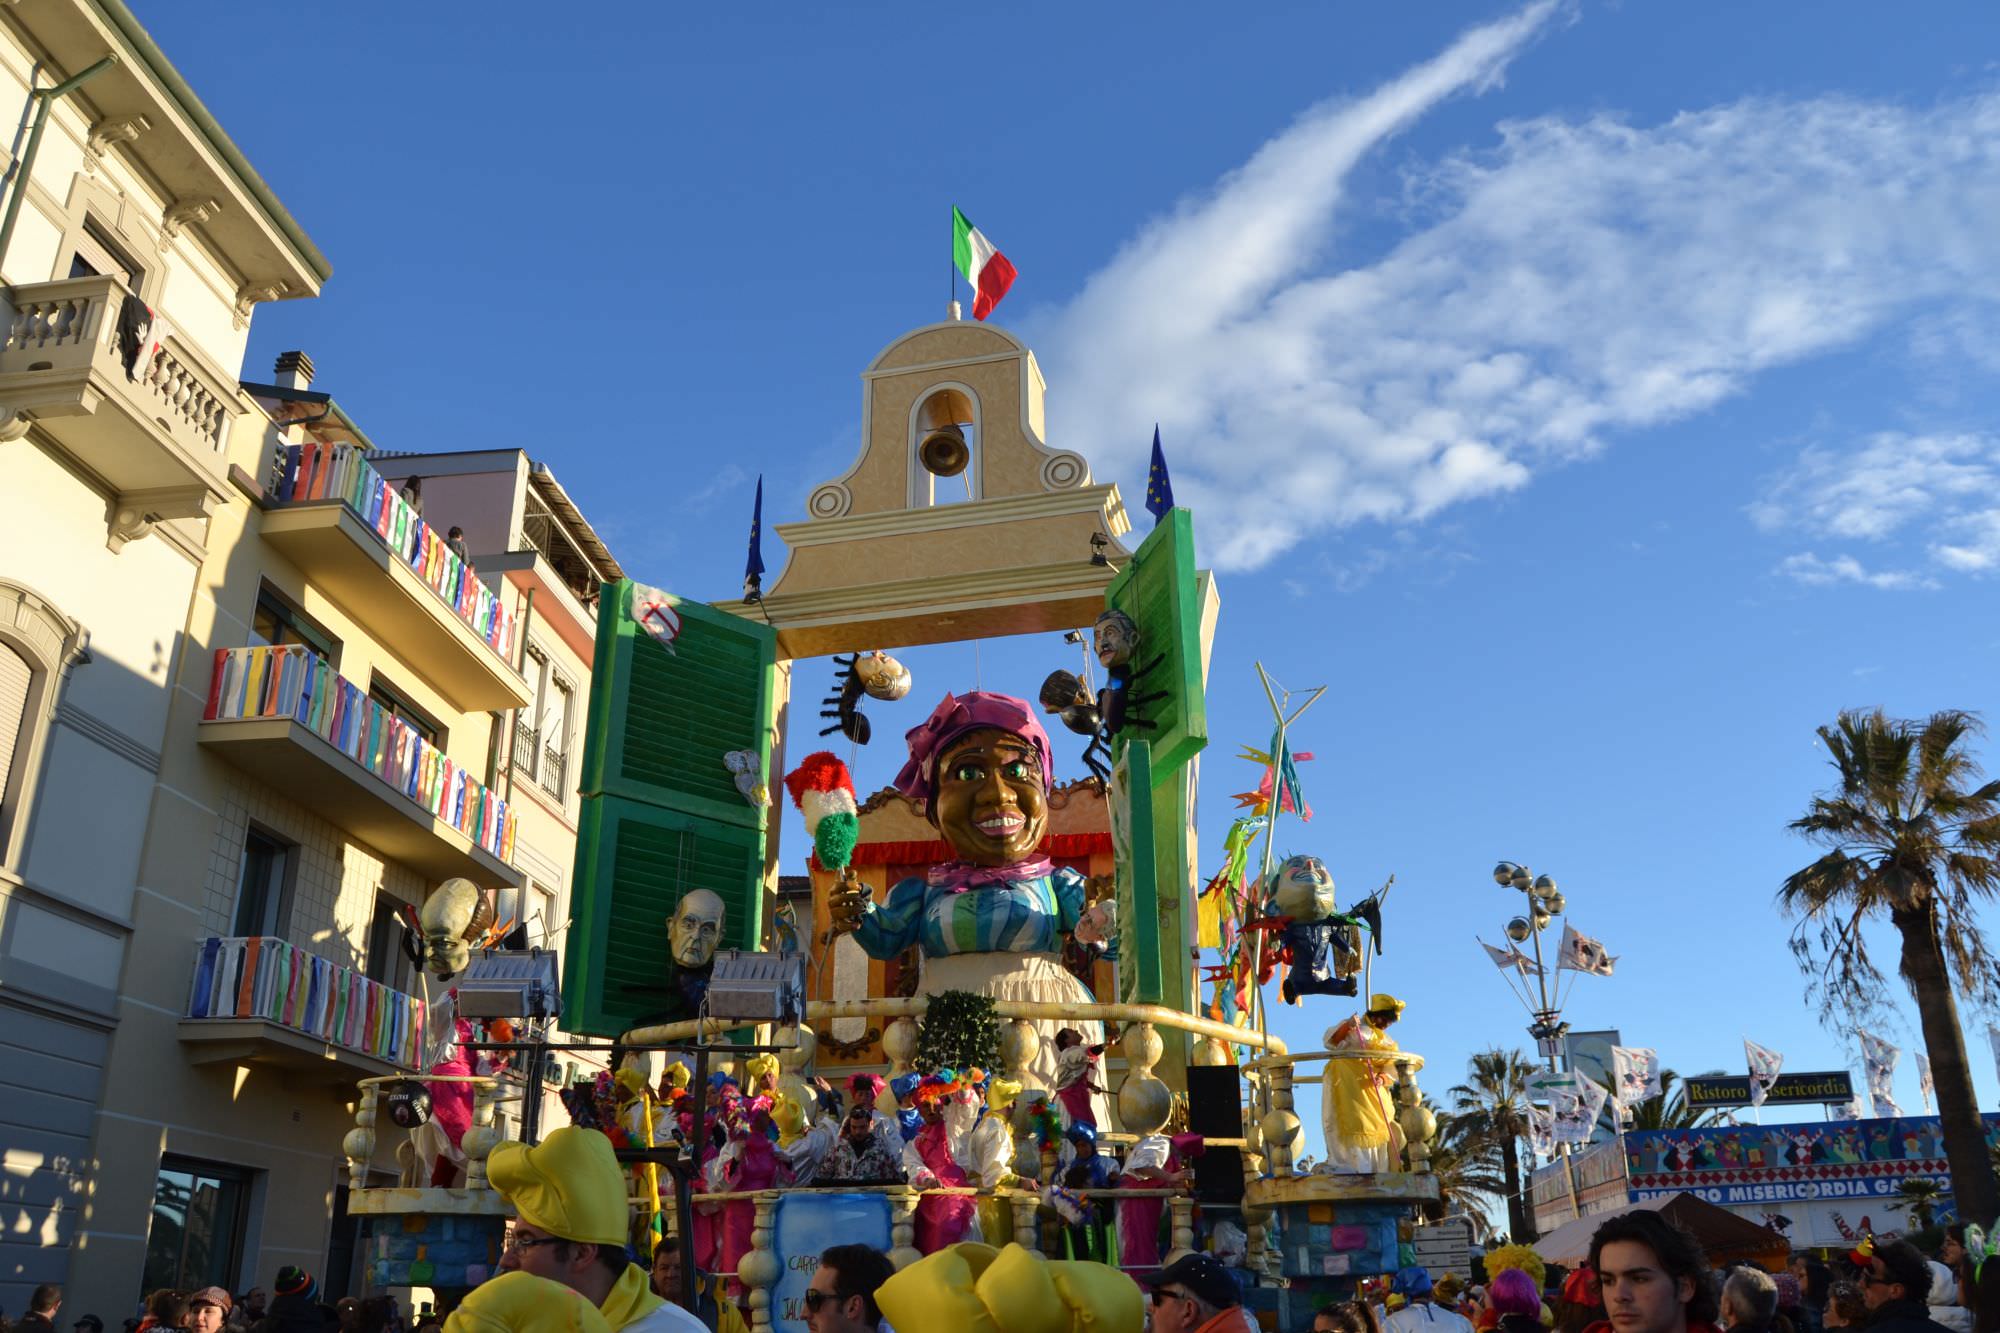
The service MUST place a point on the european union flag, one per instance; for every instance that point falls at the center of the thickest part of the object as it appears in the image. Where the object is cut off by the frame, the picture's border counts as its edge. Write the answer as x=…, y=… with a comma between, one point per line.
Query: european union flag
x=1159, y=486
x=753, y=568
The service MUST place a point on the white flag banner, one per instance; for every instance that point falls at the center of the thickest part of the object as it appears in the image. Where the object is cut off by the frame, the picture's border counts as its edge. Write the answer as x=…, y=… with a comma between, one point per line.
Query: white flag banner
x=1575, y=1103
x=1878, y=1062
x=1511, y=957
x=1925, y=1085
x=1541, y=1132
x=1993, y=1040
x=1765, y=1065
x=1854, y=1110
x=1580, y=953
x=658, y=614
x=1635, y=1073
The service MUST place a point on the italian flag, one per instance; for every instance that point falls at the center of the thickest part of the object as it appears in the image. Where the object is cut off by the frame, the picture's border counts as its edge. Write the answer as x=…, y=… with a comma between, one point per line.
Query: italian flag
x=986, y=270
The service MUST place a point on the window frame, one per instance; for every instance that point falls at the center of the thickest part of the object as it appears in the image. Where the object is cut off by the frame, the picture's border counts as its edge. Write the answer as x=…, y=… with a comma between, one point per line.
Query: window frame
x=387, y=908
x=51, y=643
x=242, y=1179
x=307, y=631
x=386, y=693
x=284, y=873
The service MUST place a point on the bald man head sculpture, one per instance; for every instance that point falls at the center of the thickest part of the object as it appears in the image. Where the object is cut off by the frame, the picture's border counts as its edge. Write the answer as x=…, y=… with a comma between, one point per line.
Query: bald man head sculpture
x=695, y=929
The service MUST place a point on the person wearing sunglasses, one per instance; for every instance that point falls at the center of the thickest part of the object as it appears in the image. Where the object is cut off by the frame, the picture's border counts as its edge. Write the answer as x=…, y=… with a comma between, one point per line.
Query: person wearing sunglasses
x=1895, y=1282
x=1196, y=1294
x=841, y=1296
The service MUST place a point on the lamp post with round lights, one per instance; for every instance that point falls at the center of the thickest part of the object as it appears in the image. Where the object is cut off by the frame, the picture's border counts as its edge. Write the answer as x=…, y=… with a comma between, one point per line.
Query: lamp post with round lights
x=1546, y=1026
x=1545, y=903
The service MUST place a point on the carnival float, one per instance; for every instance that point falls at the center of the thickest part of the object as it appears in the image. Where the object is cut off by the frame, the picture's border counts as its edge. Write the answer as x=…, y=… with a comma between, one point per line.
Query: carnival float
x=1008, y=1005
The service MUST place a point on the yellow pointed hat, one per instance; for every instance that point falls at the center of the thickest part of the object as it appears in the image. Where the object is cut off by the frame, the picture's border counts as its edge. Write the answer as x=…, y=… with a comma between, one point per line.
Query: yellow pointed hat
x=1383, y=1003
x=524, y=1303
x=569, y=1185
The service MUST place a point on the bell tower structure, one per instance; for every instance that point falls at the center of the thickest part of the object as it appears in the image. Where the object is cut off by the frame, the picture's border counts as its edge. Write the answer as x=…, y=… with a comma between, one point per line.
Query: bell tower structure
x=956, y=521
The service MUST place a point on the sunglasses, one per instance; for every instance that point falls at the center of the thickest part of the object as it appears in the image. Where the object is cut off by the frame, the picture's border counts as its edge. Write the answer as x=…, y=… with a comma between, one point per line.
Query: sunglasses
x=814, y=1298
x=1161, y=1296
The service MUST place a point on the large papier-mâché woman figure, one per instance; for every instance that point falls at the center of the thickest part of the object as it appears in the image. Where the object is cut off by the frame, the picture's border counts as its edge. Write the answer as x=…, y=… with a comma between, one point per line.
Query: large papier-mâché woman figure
x=991, y=921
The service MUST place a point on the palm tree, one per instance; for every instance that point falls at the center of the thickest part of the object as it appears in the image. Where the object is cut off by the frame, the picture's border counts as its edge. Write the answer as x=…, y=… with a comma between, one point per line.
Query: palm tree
x=1466, y=1165
x=1494, y=1101
x=1911, y=835
x=1918, y=1199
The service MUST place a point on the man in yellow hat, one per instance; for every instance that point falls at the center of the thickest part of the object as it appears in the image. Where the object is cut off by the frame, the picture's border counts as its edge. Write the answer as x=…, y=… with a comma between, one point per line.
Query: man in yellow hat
x=1359, y=1119
x=568, y=1194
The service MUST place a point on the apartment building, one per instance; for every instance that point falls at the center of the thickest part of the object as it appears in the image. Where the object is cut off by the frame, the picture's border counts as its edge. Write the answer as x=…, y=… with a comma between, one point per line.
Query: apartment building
x=255, y=701
x=116, y=459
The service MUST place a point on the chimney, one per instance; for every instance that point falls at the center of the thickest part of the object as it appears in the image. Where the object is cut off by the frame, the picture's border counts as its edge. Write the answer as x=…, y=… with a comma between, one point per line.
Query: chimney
x=294, y=370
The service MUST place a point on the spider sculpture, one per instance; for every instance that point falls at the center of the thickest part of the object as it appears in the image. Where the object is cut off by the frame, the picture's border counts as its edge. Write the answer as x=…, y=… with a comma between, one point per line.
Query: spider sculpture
x=1117, y=706
x=877, y=675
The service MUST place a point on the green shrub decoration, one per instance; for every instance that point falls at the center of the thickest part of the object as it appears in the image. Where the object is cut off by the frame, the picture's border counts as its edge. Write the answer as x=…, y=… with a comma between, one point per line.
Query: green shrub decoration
x=957, y=1030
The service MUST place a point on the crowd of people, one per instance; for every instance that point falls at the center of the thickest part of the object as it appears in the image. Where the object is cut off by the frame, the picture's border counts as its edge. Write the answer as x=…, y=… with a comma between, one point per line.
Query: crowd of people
x=1881, y=1286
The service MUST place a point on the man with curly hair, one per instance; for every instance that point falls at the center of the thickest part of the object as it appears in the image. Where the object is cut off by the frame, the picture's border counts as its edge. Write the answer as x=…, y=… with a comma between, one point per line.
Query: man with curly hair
x=1653, y=1276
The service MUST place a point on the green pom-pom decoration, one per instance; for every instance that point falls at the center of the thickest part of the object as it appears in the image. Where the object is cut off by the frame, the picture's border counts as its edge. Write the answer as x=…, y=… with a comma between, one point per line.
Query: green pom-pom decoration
x=834, y=840
x=958, y=1030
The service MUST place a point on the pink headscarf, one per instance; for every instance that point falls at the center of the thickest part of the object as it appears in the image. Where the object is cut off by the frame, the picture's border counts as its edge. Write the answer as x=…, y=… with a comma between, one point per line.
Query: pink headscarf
x=955, y=717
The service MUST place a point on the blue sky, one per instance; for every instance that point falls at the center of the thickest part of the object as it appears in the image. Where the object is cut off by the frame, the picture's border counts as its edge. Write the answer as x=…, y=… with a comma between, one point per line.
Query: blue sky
x=1596, y=398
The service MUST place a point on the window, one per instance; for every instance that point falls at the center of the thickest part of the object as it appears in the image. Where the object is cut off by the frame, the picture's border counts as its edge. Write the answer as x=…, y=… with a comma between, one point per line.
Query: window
x=38, y=645
x=555, y=736
x=387, y=963
x=527, y=736
x=541, y=735
x=276, y=621
x=382, y=692
x=15, y=678
x=197, y=1233
x=96, y=253
x=262, y=900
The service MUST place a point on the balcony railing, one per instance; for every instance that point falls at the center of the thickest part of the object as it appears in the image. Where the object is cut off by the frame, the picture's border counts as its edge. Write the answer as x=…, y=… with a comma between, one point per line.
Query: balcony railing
x=295, y=683
x=273, y=981
x=341, y=472
x=142, y=415
x=527, y=748
x=555, y=764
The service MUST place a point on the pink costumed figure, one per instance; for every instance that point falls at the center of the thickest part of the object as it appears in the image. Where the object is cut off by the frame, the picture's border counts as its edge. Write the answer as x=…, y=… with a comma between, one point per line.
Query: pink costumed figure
x=1155, y=1162
x=451, y=1106
x=942, y=1219
x=757, y=1166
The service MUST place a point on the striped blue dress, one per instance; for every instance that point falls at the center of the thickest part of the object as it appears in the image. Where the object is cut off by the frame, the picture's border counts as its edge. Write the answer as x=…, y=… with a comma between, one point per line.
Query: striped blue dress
x=1021, y=916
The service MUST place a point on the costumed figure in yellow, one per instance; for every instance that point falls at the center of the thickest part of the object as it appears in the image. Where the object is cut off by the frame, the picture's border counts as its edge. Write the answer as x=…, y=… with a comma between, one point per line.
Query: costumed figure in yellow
x=973, y=1288
x=1359, y=1118
x=568, y=1194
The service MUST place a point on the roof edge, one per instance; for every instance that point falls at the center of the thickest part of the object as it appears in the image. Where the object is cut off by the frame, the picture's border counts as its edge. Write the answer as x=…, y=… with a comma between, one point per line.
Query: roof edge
x=161, y=68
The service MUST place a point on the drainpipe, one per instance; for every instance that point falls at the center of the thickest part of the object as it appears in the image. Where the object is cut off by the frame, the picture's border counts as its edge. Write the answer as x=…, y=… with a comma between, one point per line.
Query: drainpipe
x=44, y=99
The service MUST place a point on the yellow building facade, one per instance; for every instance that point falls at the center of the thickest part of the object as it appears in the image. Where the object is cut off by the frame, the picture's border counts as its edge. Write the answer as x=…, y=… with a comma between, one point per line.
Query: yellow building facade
x=252, y=704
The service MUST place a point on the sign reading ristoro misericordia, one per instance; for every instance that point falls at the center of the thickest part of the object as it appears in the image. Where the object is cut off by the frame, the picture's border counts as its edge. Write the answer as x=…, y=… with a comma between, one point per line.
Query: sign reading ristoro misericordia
x=1832, y=1086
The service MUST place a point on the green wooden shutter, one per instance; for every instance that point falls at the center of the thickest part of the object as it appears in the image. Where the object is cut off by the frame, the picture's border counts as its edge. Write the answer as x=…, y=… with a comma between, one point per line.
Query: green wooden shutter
x=660, y=813
x=661, y=721
x=634, y=862
x=1132, y=849
x=1160, y=590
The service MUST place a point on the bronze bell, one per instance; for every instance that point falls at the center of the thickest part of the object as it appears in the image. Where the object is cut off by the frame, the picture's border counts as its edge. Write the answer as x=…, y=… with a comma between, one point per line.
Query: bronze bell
x=943, y=452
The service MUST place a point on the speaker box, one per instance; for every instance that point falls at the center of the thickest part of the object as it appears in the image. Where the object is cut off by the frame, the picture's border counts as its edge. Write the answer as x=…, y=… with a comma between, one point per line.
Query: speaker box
x=1215, y=1110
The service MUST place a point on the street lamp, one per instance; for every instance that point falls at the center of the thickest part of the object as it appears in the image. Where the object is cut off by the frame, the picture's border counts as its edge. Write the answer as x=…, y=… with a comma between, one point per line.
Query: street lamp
x=1545, y=903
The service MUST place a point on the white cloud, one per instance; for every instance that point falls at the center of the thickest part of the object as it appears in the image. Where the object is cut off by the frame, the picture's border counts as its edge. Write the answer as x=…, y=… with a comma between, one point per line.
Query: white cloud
x=1939, y=492
x=1582, y=277
x=1809, y=569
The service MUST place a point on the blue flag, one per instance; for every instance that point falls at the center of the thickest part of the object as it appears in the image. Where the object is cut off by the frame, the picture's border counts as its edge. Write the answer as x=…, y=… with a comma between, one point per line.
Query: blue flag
x=753, y=568
x=1159, y=486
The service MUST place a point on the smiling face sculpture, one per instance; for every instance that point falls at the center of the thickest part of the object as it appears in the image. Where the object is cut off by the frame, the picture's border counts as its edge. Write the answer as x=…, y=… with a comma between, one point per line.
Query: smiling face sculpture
x=992, y=801
x=1302, y=888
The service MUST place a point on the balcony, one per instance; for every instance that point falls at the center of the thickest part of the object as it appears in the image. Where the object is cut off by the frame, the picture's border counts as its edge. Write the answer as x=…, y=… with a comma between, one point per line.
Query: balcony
x=155, y=435
x=352, y=535
x=265, y=1001
x=284, y=716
